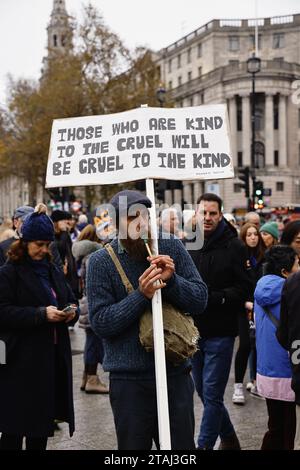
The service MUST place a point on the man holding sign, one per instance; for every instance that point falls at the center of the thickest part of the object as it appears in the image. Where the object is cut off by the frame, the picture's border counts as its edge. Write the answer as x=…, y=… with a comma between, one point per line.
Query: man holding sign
x=115, y=316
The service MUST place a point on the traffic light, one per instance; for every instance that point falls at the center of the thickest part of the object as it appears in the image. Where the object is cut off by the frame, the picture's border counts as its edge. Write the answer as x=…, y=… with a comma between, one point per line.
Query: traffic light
x=244, y=175
x=140, y=185
x=258, y=193
x=160, y=187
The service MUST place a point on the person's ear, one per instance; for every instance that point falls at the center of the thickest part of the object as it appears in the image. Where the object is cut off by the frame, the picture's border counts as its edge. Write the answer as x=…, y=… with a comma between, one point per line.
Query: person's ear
x=284, y=273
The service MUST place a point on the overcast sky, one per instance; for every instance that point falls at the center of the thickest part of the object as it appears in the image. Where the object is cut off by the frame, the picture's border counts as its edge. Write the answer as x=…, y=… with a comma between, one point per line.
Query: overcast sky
x=153, y=23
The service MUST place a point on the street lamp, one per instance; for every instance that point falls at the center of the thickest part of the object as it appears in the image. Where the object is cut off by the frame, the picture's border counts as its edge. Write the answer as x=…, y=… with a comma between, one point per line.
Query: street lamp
x=253, y=67
x=161, y=95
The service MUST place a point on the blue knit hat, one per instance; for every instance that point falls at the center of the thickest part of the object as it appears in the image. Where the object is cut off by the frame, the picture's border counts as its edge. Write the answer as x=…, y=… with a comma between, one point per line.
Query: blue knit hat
x=37, y=226
x=271, y=228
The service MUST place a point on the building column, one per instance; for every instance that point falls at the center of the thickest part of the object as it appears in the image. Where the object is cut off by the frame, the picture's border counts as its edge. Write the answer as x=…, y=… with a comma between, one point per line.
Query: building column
x=177, y=196
x=187, y=192
x=269, y=130
x=168, y=197
x=198, y=190
x=233, y=129
x=282, y=131
x=246, y=125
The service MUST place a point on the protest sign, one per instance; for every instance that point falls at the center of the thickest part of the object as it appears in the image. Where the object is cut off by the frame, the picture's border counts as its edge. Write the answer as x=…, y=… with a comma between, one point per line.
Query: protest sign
x=177, y=144
x=144, y=143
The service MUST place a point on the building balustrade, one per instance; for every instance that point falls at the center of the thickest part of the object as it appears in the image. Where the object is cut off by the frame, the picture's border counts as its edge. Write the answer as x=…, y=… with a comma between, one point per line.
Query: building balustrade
x=236, y=71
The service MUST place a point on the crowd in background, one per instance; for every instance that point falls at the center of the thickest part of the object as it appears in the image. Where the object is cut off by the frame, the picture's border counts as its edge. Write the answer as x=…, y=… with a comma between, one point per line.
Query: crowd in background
x=245, y=299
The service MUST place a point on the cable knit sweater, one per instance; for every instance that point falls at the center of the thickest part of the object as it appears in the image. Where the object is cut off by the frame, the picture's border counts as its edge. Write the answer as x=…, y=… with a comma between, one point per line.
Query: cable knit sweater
x=114, y=315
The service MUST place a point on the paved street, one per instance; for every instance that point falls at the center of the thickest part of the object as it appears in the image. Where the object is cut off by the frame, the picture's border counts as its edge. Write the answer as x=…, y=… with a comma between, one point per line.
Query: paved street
x=94, y=421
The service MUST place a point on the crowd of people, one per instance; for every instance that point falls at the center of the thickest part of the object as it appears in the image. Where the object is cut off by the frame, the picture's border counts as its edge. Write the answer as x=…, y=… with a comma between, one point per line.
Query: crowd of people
x=240, y=281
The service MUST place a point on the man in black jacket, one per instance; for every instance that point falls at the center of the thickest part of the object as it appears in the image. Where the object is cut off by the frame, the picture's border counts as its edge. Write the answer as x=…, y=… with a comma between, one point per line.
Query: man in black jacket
x=222, y=263
x=288, y=335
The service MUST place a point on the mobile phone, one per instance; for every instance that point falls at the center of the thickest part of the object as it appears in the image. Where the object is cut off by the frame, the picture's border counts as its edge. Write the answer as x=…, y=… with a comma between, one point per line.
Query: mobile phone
x=68, y=309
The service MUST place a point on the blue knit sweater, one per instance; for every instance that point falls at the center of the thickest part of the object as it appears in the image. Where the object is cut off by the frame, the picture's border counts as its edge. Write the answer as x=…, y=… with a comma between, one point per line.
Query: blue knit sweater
x=114, y=315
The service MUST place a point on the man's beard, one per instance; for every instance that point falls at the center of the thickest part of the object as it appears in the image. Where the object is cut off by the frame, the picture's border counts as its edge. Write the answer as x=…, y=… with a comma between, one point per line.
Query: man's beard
x=136, y=249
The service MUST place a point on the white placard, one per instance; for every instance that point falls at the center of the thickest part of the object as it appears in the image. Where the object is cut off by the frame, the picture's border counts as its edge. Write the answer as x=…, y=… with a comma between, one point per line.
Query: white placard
x=161, y=143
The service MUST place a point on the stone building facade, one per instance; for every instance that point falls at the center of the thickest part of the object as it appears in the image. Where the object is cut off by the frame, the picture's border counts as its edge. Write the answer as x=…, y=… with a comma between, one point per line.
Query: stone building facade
x=210, y=66
x=13, y=193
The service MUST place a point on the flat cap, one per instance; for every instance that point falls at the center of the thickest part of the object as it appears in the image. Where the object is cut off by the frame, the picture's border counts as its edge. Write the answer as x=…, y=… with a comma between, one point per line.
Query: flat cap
x=22, y=211
x=127, y=198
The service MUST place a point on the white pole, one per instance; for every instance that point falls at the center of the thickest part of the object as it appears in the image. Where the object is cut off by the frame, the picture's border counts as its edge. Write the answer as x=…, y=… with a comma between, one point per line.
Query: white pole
x=159, y=343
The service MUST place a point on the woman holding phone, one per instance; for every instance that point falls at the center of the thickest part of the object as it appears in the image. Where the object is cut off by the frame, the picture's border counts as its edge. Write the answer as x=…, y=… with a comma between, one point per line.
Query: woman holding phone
x=34, y=322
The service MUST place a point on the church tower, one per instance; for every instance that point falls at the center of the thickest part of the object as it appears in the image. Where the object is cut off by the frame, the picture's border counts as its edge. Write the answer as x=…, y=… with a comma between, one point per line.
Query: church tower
x=59, y=29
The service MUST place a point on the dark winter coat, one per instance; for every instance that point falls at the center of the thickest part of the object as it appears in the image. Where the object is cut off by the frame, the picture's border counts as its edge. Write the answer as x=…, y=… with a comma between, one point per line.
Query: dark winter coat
x=63, y=243
x=36, y=382
x=4, y=247
x=223, y=265
x=288, y=333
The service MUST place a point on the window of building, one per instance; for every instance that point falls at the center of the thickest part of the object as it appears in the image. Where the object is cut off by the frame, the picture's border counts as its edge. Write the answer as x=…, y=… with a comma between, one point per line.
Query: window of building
x=54, y=40
x=192, y=101
x=179, y=61
x=180, y=104
x=234, y=63
x=179, y=81
x=170, y=66
x=237, y=188
x=189, y=55
x=234, y=43
x=280, y=186
x=276, y=111
x=239, y=113
x=63, y=41
x=170, y=85
x=279, y=59
x=189, y=76
x=201, y=98
x=199, y=50
x=278, y=40
x=199, y=71
x=276, y=158
x=252, y=41
x=240, y=159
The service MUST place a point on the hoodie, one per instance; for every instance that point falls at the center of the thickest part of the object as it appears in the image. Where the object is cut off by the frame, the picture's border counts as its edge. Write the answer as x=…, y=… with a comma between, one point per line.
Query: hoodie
x=273, y=365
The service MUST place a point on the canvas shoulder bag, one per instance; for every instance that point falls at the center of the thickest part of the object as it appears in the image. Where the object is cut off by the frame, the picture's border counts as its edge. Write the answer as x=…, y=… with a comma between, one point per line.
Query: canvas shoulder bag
x=180, y=334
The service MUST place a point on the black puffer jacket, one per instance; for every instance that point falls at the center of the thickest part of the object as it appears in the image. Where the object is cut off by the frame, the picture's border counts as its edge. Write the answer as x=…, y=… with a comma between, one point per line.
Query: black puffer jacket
x=288, y=333
x=224, y=267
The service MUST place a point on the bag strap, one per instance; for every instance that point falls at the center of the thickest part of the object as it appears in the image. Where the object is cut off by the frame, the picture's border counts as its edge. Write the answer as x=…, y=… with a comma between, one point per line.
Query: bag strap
x=116, y=261
x=272, y=317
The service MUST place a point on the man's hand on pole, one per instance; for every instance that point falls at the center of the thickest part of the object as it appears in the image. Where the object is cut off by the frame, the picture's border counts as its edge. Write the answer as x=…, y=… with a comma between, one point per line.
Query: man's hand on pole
x=148, y=281
x=165, y=263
